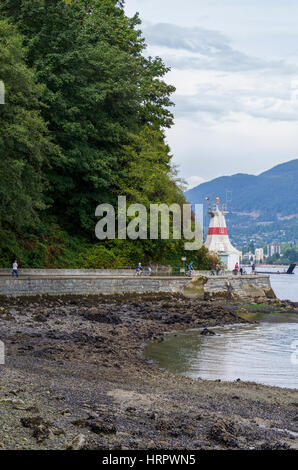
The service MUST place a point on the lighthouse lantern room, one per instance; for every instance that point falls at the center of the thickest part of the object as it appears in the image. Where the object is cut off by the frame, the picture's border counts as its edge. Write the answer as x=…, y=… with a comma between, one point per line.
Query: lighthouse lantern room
x=218, y=239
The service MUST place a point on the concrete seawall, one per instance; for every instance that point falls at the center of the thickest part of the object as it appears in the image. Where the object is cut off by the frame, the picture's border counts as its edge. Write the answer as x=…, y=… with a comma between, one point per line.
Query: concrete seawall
x=245, y=287
x=24, y=273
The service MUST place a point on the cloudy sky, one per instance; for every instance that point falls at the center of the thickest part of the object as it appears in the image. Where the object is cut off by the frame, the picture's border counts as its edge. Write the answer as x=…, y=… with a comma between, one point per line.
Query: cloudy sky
x=235, y=66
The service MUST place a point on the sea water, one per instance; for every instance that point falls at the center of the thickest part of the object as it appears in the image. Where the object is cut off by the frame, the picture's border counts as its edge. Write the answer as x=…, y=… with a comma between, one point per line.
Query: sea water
x=265, y=353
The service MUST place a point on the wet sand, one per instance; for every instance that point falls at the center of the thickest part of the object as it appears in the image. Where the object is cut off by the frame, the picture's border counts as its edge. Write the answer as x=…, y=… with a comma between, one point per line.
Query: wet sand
x=75, y=377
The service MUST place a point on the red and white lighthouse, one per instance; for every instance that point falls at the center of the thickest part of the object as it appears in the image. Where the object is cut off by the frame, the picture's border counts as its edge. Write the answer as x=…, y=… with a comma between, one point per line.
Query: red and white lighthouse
x=218, y=239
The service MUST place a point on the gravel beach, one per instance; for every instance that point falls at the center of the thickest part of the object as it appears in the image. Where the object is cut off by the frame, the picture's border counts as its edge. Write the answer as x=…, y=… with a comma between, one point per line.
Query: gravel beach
x=75, y=378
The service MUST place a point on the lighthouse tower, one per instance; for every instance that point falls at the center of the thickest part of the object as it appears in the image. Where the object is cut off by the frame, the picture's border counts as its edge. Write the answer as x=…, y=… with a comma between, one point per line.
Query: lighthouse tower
x=218, y=239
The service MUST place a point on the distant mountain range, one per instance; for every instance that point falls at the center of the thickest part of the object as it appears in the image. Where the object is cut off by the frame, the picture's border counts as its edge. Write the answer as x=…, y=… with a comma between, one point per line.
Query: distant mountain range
x=263, y=208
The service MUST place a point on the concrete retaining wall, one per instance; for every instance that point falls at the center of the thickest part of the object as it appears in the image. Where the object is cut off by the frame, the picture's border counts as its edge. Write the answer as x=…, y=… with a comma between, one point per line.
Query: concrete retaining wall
x=226, y=287
x=244, y=287
x=160, y=270
x=100, y=285
x=69, y=272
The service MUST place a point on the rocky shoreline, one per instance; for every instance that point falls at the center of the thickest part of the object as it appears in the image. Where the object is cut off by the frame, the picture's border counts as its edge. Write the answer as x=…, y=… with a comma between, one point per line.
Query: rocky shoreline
x=75, y=378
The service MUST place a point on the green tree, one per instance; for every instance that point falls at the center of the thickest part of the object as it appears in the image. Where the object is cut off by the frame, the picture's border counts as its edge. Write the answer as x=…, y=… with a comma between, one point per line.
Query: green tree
x=291, y=255
x=25, y=145
x=106, y=107
x=99, y=90
x=149, y=176
x=207, y=260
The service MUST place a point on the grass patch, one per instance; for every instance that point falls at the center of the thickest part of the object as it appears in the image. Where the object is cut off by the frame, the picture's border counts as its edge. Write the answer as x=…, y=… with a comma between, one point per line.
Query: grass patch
x=256, y=306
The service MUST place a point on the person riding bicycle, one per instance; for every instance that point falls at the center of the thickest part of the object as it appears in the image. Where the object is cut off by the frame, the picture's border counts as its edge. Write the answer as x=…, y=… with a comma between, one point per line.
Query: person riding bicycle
x=190, y=268
x=139, y=269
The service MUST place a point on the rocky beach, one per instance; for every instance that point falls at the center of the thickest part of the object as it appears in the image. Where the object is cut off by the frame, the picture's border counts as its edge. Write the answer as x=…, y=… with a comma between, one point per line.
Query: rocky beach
x=75, y=378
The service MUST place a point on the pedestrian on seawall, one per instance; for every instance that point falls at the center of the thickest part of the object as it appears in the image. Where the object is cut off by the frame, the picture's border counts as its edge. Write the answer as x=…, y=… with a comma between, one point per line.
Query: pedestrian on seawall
x=15, y=271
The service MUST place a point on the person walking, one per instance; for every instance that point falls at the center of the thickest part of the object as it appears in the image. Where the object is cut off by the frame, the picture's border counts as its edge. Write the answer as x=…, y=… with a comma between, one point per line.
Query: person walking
x=15, y=271
x=190, y=268
x=236, y=269
x=253, y=269
x=149, y=270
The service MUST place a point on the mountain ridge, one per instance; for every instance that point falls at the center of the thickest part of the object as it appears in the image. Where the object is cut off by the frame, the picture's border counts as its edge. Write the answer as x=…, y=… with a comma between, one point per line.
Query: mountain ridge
x=257, y=200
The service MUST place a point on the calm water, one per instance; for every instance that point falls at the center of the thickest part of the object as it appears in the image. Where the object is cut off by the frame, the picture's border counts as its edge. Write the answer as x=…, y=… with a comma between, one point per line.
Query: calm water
x=260, y=353
x=284, y=286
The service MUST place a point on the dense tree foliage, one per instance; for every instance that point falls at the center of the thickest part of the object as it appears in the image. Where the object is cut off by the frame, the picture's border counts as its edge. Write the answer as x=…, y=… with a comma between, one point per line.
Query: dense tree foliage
x=25, y=146
x=85, y=119
x=99, y=90
x=289, y=255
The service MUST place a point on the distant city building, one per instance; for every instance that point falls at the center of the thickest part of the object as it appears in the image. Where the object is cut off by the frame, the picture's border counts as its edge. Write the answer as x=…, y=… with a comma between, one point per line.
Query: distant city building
x=273, y=249
x=248, y=258
x=259, y=255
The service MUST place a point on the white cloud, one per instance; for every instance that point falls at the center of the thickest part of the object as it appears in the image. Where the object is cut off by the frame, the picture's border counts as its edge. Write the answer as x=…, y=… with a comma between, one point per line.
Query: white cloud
x=235, y=67
x=246, y=145
x=206, y=50
x=257, y=96
x=217, y=81
x=194, y=181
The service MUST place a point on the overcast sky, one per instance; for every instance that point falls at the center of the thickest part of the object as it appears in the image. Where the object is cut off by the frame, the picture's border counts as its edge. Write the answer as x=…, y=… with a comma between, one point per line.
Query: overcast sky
x=235, y=66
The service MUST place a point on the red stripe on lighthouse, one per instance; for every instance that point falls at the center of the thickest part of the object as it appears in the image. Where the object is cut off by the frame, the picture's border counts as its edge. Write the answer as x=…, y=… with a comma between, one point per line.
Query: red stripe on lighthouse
x=218, y=231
